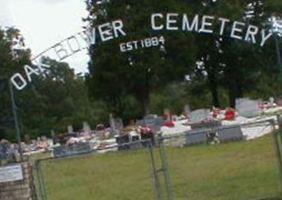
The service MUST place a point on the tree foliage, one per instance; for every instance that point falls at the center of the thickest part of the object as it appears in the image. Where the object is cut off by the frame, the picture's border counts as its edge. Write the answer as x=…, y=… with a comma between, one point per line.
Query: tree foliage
x=11, y=60
x=55, y=100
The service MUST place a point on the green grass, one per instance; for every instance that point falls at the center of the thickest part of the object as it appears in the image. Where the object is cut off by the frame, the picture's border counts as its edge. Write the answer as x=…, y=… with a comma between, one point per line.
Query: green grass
x=240, y=170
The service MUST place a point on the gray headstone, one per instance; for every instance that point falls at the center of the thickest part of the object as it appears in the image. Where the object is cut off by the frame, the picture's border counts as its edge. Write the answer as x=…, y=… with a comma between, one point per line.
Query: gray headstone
x=79, y=148
x=167, y=114
x=230, y=133
x=153, y=122
x=197, y=136
x=199, y=115
x=207, y=124
x=186, y=110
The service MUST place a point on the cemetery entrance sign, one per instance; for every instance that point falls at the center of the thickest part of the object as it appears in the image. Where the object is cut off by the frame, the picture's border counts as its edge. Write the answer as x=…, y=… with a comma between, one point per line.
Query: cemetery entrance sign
x=205, y=24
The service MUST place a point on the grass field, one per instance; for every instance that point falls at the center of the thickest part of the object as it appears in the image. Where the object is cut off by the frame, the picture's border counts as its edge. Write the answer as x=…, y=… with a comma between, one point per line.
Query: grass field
x=234, y=171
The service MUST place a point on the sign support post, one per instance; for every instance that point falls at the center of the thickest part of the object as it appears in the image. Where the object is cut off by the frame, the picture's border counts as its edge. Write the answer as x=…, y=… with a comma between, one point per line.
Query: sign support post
x=278, y=147
x=278, y=52
x=14, y=108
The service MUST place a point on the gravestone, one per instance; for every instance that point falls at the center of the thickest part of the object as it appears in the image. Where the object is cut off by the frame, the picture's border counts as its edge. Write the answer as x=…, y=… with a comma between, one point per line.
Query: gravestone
x=70, y=129
x=198, y=116
x=122, y=141
x=271, y=101
x=230, y=133
x=116, y=124
x=247, y=108
x=152, y=121
x=7, y=152
x=167, y=114
x=75, y=149
x=199, y=136
x=186, y=110
x=86, y=127
x=206, y=124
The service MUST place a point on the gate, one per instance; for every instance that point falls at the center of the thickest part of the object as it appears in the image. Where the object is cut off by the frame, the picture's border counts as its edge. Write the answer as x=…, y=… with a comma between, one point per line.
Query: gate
x=118, y=172
x=230, y=167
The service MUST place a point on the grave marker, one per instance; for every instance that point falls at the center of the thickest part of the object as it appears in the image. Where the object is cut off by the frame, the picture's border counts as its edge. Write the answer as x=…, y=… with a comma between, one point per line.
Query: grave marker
x=199, y=115
x=247, y=107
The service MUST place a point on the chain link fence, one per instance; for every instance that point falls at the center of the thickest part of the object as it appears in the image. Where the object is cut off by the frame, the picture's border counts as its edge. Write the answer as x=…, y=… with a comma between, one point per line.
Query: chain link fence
x=118, y=172
x=222, y=163
x=218, y=162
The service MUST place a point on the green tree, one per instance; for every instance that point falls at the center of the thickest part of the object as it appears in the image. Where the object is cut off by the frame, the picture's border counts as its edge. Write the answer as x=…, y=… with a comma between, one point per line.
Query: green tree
x=218, y=67
x=114, y=75
x=55, y=100
x=11, y=60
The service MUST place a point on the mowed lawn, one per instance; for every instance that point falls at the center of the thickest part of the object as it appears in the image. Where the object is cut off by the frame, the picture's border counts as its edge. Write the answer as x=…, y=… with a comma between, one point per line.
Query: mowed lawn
x=233, y=171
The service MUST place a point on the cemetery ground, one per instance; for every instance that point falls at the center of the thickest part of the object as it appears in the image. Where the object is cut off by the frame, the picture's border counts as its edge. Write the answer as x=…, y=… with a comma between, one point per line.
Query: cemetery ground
x=233, y=171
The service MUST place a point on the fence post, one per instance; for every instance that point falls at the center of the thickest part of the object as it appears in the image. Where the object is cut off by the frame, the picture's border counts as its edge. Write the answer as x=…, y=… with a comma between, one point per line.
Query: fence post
x=165, y=168
x=157, y=186
x=278, y=147
x=40, y=180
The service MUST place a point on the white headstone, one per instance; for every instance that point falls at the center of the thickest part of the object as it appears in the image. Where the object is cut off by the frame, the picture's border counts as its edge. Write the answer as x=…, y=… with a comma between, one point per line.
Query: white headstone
x=70, y=129
x=247, y=107
x=116, y=124
x=86, y=127
x=271, y=101
x=112, y=122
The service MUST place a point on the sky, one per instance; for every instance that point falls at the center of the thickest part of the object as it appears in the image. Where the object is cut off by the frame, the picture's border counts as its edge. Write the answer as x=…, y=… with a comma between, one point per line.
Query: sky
x=43, y=23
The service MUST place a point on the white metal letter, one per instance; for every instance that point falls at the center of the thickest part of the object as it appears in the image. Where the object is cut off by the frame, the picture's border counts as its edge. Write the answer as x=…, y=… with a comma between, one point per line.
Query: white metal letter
x=206, y=24
x=153, y=21
x=61, y=52
x=105, y=34
x=118, y=28
x=265, y=37
x=223, y=22
x=29, y=71
x=236, y=29
x=251, y=33
x=190, y=27
x=73, y=44
x=21, y=83
x=171, y=22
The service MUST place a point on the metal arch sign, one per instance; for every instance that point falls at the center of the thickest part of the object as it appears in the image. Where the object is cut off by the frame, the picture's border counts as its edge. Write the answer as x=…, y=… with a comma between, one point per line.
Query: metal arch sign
x=67, y=48
x=158, y=22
